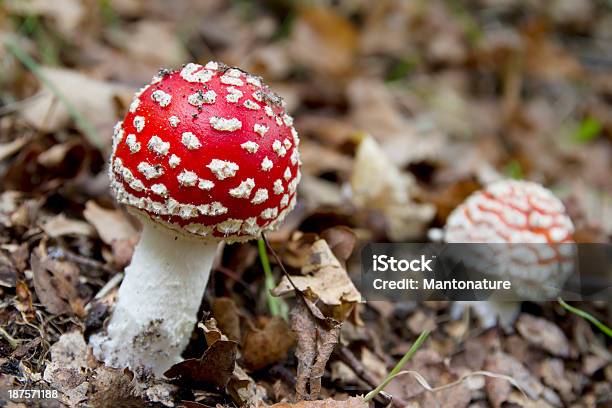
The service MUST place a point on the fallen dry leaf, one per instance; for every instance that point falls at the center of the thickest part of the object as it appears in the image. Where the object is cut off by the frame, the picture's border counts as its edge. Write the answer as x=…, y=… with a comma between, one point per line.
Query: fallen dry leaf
x=55, y=282
x=10, y=148
x=8, y=271
x=67, y=15
x=66, y=371
x=24, y=299
x=543, y=334
x=110, y=387
x=214, y=367
x=78, y=379
x=317, y=337
x=376, y=111
x=268, y=345
x=92, y=97
x=305, y=328
x=323, y=40
x=553, y=61
x=499, y=390
x=227, y=315
x=353, y=402
x=374, y=365
x=122, y=251
x=554, y=375
x=341, y=240
x=59, y=225
x=153, y=42
x=243, y=389
x=377, y=184
x=211, y=331
x=111, y=225
x=56, y=154
x=326, y=279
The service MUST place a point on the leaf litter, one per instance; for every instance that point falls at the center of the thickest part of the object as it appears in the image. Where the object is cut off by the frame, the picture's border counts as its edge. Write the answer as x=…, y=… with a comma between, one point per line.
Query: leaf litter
x=403, y=108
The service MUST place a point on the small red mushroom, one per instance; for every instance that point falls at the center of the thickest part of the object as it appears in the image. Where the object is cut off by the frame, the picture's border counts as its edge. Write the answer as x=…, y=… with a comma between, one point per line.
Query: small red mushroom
x=531, y=218
x=205, y=154
x=510, y=211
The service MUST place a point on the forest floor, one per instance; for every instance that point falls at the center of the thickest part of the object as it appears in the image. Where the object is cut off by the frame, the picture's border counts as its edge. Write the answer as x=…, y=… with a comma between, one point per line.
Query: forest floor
x=454, y=94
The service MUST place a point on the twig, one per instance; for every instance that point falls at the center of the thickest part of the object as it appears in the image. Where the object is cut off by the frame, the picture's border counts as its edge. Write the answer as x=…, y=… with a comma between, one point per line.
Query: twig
x=423, y=382
x=601, y=326
x=80, y=120
x=110, y=285
x=299, y=294
x=81, y=260
x=11, y=341
x=283, y=373
x=348, y=358
x=234, y=276
x=415, y=346
x=280, y=263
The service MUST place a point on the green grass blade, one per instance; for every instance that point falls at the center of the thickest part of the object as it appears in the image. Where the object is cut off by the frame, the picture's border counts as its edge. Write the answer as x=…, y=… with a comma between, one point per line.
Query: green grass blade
x=398, y=367
x=276, y=306
x=587, y=130
x=605, y=329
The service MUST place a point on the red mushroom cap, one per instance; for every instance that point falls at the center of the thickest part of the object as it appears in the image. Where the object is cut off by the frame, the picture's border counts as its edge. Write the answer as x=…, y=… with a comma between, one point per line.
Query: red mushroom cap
x=526, y=215
x=208, y=150
x=510, y=211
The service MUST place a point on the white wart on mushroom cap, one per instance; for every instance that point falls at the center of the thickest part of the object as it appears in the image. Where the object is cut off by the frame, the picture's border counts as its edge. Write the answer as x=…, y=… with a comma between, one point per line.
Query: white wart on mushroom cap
x=207, y=150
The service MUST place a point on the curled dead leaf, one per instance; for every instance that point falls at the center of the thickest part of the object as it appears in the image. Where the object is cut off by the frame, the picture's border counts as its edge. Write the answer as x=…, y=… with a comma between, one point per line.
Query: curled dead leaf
x=265, y=346
x=325, y=279
x=317, y=336
x=341, y=241
x=378, y=185
x=544, y=334
x=211, y=331
x=214, y=367
x=243, y=390
x=227, y=316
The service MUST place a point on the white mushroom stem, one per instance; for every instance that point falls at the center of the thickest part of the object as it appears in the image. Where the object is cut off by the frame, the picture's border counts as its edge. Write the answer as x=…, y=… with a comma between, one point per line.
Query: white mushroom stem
x=157, y=303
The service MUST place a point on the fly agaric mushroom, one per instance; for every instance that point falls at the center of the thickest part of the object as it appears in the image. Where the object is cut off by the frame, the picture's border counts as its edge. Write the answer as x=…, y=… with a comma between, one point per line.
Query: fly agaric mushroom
x=527, y=215
x=205, y=154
